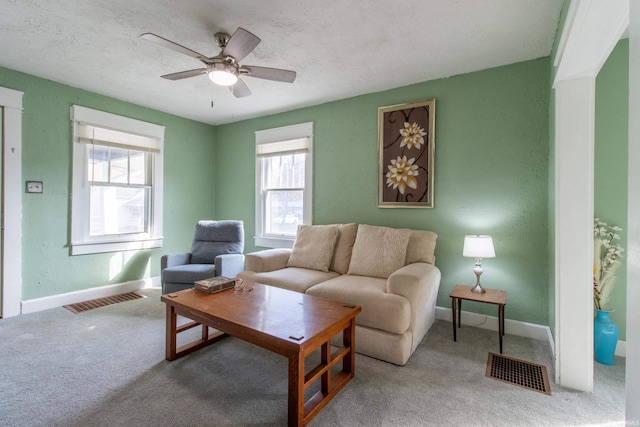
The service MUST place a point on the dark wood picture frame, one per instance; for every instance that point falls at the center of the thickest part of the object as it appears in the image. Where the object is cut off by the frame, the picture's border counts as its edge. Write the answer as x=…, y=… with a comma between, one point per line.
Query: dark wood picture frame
x=406, y=143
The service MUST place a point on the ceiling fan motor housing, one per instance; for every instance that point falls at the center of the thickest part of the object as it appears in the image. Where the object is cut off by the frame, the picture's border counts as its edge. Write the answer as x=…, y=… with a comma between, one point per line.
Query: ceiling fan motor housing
x=222, y=39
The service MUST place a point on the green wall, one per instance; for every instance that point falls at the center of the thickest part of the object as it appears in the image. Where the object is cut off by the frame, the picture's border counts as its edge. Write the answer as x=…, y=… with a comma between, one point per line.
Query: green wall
x=492, y=133
x=47, y=268
x=611, y=155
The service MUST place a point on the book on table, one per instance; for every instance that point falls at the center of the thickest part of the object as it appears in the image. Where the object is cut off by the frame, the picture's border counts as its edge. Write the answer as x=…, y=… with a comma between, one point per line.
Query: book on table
x=214, y=284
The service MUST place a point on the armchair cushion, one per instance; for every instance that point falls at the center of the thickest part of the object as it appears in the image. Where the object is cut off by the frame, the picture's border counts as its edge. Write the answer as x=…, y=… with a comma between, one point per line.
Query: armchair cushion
x=313, y=248
x=213, y=238
x=188, y=273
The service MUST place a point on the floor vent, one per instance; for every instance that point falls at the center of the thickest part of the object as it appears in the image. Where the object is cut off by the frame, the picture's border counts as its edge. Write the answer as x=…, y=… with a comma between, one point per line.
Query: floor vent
x=518, y=372
x=102, y=302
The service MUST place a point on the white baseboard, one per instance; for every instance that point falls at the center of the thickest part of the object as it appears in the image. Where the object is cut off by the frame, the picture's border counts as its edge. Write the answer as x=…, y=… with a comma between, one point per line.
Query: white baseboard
x=513, y=327
x=53, y=301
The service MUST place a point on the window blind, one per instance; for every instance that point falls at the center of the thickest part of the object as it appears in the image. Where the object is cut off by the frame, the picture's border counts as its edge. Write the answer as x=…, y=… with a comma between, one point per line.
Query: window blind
x=292, y=146
x=90, y=134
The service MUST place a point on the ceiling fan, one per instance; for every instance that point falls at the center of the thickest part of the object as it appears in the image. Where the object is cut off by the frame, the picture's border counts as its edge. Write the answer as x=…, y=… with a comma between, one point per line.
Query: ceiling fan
x=224, y=69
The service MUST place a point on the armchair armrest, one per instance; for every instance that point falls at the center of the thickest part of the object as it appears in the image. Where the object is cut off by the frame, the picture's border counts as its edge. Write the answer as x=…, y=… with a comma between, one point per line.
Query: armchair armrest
x=172, y=260
x=268, y=260
x=229, y=265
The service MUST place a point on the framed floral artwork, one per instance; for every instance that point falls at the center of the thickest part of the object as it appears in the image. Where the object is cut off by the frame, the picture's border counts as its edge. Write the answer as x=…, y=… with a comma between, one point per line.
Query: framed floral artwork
x=406, y=140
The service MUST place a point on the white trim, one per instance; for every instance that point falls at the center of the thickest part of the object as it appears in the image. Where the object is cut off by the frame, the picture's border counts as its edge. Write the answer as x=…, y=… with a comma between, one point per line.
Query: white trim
x=54, y=301
x=512, y=327
x=115, y=122
x=92, y=248
x=81, y=242
x=574, y=176
x=275, y=135
x=592, y=29
x=11, y=100
x=632, y=379
x=591, y=32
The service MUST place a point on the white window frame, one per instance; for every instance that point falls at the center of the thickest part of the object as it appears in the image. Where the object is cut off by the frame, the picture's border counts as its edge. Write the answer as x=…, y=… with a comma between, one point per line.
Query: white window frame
x=152, y=141
x=281, y=135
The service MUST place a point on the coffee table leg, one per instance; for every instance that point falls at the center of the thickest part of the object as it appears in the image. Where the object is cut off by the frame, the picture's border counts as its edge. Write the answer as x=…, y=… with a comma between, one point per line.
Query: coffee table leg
x=171, y=340
x=453, y=316
x=296, y=390
x=501, y=324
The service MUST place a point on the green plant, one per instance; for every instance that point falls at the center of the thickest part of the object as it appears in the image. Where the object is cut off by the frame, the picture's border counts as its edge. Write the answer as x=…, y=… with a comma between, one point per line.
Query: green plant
x=607, y=254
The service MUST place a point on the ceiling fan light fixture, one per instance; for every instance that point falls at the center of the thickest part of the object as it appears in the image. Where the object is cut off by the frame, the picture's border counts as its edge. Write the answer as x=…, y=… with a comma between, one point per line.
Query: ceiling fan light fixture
x=226, y=76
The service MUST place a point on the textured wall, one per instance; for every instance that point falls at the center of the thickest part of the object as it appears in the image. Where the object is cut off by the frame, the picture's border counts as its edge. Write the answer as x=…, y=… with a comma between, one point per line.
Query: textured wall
x=48, y=269
x=492, y=132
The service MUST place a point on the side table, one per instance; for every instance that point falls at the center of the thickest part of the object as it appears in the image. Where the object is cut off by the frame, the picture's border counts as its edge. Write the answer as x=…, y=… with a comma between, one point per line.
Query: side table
x=491, y=296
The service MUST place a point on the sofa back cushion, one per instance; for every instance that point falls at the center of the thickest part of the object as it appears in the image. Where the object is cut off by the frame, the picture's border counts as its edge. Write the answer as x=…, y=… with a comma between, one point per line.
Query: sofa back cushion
x=378, y=251
x=344, y=247
x=422, y=246
x=313, y=248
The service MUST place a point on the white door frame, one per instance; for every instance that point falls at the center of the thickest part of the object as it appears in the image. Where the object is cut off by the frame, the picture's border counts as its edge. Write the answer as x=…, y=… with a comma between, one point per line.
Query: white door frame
x=11, y=100
x=592, y=29
x=633, y=222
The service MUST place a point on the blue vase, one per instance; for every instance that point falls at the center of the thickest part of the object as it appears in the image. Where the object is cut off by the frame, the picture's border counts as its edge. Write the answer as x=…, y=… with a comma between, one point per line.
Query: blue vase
x=605, y=337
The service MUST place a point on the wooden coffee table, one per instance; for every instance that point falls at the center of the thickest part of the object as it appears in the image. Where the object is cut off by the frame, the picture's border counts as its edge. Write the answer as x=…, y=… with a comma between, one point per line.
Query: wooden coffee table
x=285, y=322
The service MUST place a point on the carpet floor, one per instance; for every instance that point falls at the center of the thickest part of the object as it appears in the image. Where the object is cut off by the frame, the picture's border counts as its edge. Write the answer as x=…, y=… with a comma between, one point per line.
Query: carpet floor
x=106, y=367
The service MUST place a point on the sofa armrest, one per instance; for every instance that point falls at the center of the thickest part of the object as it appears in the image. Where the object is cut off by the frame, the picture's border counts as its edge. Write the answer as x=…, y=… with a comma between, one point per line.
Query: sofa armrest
x=419, y=283
x=229, y=265
x=172, y=260
x=268, y=260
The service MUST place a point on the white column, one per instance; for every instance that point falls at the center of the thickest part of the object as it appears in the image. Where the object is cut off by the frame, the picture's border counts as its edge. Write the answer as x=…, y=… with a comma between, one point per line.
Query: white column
x=13, y=187
x=574, y=174
x=633, y=223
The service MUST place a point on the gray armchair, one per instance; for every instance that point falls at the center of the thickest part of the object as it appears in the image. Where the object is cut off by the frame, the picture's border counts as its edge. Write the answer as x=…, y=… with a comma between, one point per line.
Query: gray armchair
x=216, y=251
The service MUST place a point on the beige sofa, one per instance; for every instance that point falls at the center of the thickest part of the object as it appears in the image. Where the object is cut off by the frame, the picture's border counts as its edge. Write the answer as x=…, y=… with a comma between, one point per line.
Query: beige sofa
x=388, y=272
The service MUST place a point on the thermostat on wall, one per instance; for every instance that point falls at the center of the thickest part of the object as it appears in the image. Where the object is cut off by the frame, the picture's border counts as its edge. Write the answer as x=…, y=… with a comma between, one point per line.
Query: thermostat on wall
x=34, y=187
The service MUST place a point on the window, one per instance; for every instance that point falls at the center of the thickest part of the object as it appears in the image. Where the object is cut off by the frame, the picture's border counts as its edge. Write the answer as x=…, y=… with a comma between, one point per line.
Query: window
x=117, y=183
x=283, y=183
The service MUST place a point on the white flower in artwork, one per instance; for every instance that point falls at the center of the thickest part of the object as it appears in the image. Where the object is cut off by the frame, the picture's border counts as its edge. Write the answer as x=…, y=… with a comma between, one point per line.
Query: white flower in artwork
x=412, y=135
x=402, y=174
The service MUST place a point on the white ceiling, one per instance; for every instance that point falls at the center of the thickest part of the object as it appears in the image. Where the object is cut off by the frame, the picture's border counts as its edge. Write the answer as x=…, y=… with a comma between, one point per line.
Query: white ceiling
x=339, y=49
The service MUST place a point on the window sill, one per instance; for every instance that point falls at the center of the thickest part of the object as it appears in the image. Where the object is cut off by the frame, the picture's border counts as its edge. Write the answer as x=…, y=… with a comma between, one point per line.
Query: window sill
x=103, y=247
x=275, y=242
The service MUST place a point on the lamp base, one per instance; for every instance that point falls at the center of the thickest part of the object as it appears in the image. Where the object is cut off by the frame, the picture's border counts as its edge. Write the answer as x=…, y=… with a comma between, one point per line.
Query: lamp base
x=477, y=289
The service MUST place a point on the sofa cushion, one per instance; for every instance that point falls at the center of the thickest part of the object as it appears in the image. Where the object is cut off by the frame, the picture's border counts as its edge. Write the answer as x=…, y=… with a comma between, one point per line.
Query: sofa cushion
x=344, y=247
x=291, y=278
x=380, y=310
x=422, y=246
x=313, y=247
x=378, y=251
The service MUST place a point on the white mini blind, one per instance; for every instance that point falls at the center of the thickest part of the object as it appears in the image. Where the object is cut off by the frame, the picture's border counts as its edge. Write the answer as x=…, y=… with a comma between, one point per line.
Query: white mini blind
x=111, y=138
x=292, y=146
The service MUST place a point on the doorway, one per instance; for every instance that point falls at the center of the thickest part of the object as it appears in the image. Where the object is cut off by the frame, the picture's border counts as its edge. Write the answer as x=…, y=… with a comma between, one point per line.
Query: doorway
x=11, y=202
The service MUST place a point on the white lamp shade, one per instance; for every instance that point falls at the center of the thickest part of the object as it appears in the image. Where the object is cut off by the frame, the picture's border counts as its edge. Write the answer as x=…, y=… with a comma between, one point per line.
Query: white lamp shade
x=478, y=247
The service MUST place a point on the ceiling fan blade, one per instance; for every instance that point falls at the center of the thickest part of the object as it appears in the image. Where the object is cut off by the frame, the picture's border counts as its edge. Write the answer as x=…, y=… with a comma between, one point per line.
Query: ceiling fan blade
x=276, y=74
x=185, y=74
x=240, y=89
x=241, y=43
x=174, y=46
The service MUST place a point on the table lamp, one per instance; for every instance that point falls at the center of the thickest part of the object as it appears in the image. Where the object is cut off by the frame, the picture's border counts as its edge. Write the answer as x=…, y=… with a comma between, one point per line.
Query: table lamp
x=478, y=247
